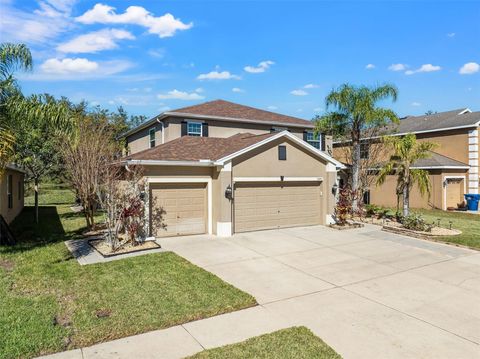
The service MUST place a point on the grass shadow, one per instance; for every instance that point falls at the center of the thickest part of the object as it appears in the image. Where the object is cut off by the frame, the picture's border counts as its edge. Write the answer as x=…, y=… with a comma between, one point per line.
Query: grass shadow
x=30, y=234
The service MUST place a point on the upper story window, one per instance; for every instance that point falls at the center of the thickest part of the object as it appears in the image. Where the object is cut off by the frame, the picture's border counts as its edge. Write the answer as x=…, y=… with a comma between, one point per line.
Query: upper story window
x=194, y=129
x=151, y=135
x=313, y=139
x=10, y=191
x=282, y=153
x=364, y=149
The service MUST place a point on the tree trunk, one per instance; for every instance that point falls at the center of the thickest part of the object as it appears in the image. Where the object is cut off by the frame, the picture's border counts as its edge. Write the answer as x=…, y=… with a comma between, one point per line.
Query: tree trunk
x=355, y=173
x=406, y=201
x=36, y=199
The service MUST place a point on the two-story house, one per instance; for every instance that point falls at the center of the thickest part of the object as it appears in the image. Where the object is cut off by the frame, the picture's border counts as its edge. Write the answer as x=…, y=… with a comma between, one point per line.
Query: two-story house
x=222, y=168
x=453, y=164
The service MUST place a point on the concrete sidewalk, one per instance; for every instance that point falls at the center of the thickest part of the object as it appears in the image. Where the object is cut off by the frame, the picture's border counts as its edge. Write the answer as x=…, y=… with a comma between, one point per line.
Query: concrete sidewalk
x=186, y=339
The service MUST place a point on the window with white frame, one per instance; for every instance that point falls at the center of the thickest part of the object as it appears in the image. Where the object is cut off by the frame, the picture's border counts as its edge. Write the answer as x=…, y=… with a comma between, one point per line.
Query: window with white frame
x=151, y=134
x=194, y=129
x=313, y=139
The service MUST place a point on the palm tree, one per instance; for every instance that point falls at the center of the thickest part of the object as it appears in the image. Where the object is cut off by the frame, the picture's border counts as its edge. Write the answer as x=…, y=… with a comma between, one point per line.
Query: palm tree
x=406, y=151
x=13, y=57
x=356, y=113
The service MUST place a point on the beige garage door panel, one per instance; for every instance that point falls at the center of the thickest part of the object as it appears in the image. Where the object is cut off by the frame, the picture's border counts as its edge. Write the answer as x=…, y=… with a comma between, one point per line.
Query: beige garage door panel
x=454, y=192
x=276, y=205
x=183, y=208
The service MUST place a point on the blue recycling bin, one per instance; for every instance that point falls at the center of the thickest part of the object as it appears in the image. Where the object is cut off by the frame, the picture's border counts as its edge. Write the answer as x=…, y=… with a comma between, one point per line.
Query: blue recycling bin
x=472, y=201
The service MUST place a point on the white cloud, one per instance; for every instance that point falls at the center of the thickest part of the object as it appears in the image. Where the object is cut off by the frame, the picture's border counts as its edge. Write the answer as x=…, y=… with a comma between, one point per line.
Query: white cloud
x=451, y=34
x=318, y=109
x=370, y=66
x=92, y=42
x=39, y=26
x=416, y=104
x=158, y=53
x=261, y=67
x=180, y=95
x=310, y=86
x=424, y=68
x=272, y=107
x=216, y=75
x=199, y=90
x=163, y=26
x=236, y=89
x=397, y=67
x=299, y=92
x=68, y=66
x=469, y=68
x=56, y=69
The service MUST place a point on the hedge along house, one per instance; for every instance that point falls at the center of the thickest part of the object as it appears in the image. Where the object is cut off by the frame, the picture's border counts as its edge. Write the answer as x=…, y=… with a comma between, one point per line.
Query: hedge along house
x=244, y=182
x=453, y=164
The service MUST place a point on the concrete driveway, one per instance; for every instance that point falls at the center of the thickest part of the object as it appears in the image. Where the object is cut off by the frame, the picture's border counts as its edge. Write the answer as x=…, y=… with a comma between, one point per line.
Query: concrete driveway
x=367, y=293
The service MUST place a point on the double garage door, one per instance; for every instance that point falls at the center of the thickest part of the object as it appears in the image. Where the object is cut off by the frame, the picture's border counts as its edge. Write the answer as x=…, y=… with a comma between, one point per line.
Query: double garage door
x=260, y=206
x=181, y=209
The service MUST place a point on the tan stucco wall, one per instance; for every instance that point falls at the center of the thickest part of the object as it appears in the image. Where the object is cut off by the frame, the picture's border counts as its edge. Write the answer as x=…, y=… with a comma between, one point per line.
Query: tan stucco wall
x=10, y=213
x=178, y=171
x=453, y=144
x=265, y=163
x=384, y=195
x=139, y=141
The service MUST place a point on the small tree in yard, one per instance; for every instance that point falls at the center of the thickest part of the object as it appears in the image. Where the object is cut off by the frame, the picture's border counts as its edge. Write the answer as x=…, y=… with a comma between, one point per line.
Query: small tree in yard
x=344, y=209
x=88, y=155
x=406, y=151
x=122, y=196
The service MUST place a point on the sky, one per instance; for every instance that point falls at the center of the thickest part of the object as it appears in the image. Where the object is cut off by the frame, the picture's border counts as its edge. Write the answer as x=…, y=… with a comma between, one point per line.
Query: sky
x=282, y=56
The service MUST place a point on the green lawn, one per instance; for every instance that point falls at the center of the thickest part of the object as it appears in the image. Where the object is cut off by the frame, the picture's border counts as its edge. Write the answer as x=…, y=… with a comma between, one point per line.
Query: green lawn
x=50, y=303
x=468, y=223
x=294, y=343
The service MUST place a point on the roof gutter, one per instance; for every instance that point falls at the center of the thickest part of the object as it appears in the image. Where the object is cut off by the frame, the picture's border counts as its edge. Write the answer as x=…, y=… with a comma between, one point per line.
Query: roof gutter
x=201, y=163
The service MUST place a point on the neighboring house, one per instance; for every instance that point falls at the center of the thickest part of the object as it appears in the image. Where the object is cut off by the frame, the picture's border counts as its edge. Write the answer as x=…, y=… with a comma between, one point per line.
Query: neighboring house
x=223, y=168
x=453, y=165
x=11, y=192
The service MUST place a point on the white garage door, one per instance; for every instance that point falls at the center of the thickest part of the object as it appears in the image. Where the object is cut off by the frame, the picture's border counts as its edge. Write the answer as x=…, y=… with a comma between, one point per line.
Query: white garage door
x=178, y=209
x=276, y=205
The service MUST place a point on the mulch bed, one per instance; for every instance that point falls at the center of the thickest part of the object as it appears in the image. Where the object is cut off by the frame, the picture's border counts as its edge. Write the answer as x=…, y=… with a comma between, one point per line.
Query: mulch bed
x=102, y=247
x=436, y=231
x=350, y=225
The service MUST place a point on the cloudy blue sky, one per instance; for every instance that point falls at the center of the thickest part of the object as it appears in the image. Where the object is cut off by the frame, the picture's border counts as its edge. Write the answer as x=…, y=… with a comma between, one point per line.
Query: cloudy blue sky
x=151, y=56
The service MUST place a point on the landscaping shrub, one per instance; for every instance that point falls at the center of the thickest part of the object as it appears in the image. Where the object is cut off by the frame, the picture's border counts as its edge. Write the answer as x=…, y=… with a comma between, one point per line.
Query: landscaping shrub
x=416, y=222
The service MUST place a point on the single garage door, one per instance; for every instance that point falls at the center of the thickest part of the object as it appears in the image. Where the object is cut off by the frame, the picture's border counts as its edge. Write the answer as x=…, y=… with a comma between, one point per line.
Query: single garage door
x=276, y=205
x=178, y=209
x=454, y=192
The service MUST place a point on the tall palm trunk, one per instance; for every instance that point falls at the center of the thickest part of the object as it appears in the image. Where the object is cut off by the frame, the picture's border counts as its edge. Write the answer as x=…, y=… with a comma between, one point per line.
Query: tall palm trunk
x=406, y=201
x=355, y=173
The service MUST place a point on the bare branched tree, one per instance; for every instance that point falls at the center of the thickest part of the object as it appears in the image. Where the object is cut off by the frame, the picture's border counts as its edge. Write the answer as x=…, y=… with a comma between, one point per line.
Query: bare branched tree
x=88, y=155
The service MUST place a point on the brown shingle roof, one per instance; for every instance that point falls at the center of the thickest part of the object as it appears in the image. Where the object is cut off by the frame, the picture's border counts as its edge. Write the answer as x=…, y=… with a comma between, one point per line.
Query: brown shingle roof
x=438, y=160
x=222, y=108
x=191, y=148
x=437, y=121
